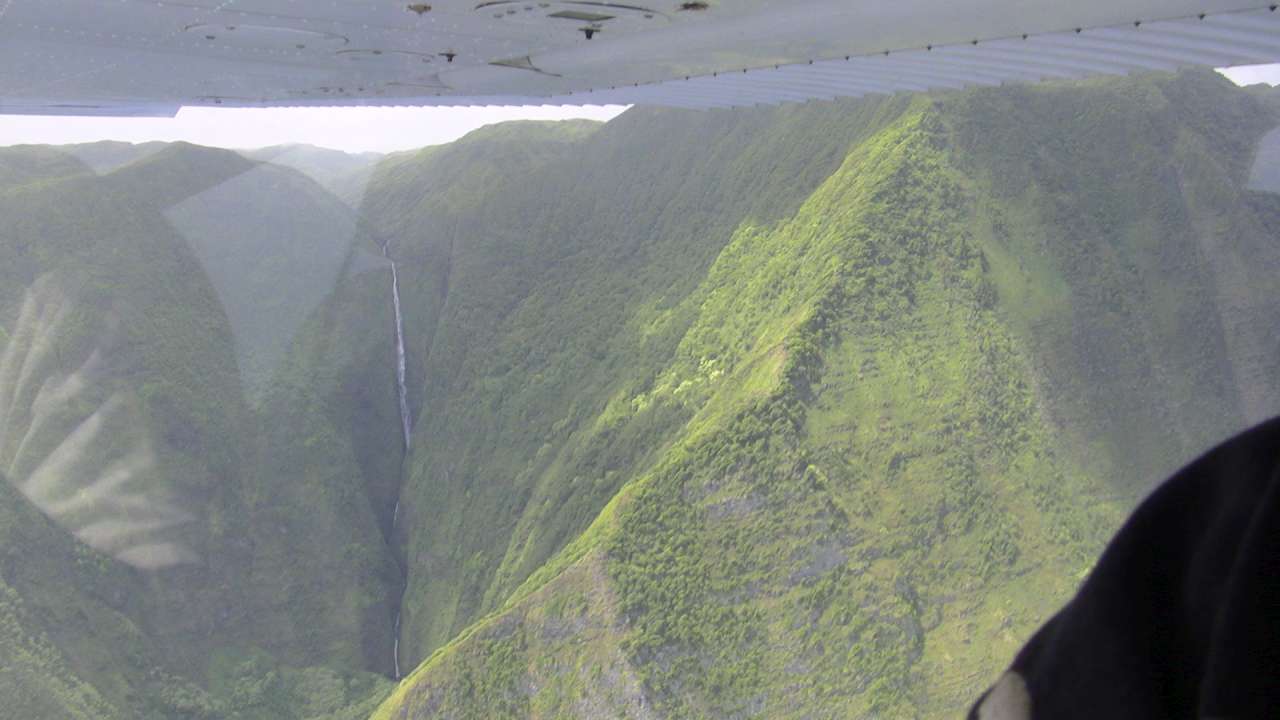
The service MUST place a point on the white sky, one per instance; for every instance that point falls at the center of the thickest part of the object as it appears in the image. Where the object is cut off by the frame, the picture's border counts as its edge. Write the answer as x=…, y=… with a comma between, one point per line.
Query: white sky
x=1252, y=74
x=350, y=129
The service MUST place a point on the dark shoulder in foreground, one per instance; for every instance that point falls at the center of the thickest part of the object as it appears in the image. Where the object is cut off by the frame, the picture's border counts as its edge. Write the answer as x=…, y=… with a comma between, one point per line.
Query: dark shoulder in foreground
x=1181, y=616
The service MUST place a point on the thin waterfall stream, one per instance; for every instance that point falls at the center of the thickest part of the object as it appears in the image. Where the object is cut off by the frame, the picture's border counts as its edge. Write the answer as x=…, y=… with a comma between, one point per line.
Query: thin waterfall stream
x=402, y=390
x=406, y=425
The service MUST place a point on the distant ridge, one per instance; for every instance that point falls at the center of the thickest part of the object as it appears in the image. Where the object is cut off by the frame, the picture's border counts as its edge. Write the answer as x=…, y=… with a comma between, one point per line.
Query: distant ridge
x=343, y=174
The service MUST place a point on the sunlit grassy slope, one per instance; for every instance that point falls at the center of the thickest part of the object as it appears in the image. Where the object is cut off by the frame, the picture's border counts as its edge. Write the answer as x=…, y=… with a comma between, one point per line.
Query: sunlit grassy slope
x=840, y=456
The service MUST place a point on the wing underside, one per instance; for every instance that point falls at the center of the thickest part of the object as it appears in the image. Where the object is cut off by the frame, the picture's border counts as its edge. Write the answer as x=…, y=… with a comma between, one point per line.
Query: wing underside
x=150, y=57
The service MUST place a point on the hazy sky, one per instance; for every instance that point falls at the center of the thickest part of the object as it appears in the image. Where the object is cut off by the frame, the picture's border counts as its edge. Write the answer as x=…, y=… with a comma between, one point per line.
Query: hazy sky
x=1251, y=74
x=351, y=129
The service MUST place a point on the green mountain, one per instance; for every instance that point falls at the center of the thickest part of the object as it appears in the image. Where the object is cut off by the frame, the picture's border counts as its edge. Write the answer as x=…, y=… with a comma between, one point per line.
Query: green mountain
x=840, y=444
x=808, y=411
x=132, y=422
x=346, y=175
x=107, y=155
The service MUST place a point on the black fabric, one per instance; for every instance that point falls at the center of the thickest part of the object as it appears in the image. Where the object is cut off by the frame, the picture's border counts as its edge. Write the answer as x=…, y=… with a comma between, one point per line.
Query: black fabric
x=1181, y=616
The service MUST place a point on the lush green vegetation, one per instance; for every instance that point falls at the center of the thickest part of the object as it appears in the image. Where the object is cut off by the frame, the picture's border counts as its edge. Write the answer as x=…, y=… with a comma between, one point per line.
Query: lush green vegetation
x=127, y=419
x=879, y=465
x=561, y=304
x=796, y=412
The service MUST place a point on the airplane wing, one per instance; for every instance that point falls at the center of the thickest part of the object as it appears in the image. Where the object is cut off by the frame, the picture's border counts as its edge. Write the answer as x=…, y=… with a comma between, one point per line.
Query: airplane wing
x=150, y=57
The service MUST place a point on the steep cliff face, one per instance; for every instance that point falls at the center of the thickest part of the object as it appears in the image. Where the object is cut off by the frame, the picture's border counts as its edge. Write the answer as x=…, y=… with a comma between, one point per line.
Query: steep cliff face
x=883, y=427
x=794, y=412
x=552, y=285
x=1136, y=260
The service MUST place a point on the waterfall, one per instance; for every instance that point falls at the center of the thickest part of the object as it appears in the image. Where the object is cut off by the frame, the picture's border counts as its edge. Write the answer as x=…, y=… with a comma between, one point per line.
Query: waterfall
x=395, y=648
x=406, y=420
x=406, y=425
